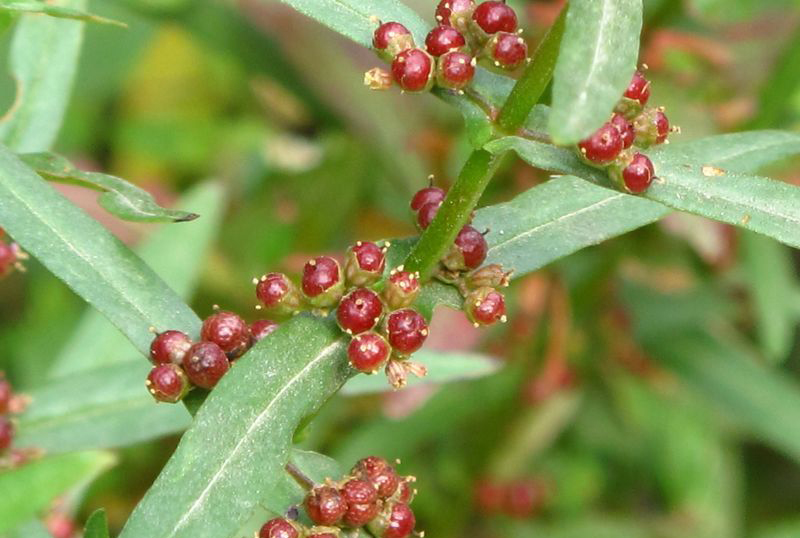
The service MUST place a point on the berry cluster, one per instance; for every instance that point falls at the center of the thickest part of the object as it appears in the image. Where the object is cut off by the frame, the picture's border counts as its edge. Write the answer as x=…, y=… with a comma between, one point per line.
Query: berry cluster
x=633, y=125
x=6, y=427
x=465, y=33
x=181, y=363
x=11, y=257
x=373, y=495
x=483, y=304
x=521, y=498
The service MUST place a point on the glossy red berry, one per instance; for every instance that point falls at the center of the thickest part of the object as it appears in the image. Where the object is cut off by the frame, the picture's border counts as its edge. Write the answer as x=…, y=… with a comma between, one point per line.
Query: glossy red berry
x=455, y=70
x=9, y=256
x=638, y=89
x=60, y=525
x=362, y=502
x=638, y=175
x=625, y=129
x=322, y=281
x=405, y=493
x=412, y=69
x=386, y=33
x=278, y=528
x=368, y=352
x=426, y=214
x=450, y=12
x=507, y=50
x=359, y=311
x=662, y=126
x=402, y=288
x=489, y=496
x=523, y=498
x=652, y=127
x=397, y=522
x=365, y=264
x=5, y=395
x=379, y=473
x=167, y=383
x=6, y=433
x=278, y=294
x=468, y=252
x=262, y=328
x=406, y=330
x=485, y=306
x=205, y=364
x=493, y=17
x=169, y=347
x=443, y=39
x=229, y=331
x=603, y=146
x=325, y=505
x=428, y=195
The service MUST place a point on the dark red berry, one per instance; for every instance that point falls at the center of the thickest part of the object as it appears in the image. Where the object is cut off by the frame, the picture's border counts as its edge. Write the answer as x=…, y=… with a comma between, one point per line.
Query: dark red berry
x=603, y=146
x=379, y=473
x=448, y=10
x=493, y=17
x=229, y=331
x=359, y=311
x=523, y=498
x=365, y=264
x=368, y=351
x=325, y=505
x=8, y=257
x=638, y=175
x=278, y=528
x=638, y=89
x=400, y=523
x=169, y=347
x=5, y=395
x=485, y=306
x=428, y=195
x=489, y=496
x=507, y=50
x=401, y=289
x=443, y=39
x=205, y=364
x=405, y=493
x=6, y=433
x=625, y=129
x=426, y=214
x=360, y=514
x=406, y=330
x=60, y=525
x=167, y=383
x=386, y=32
x=412, y=69
x=262, y=328
x=662, y=126
x=455, y=70
x=356, y=491
x=322, y=281
x=468, y=252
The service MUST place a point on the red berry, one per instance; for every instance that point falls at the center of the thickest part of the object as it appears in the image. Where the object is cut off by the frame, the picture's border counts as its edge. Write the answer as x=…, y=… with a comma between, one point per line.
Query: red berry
x=428, y=195
x=228, y=331
x=662, y=126
x=485, y=306
x=507, y=50
x=468, y=252
x=167, y=383
x=325, y=505
x=60, y=525
x=405, y=493
x=8, y=257
x=356, y=491
x=523, y=498
x=638, y=175
x=386, y=32
x=412, y=69
x=6, y=433
x=169, y=347
x=262, y=328
x=603, y=146
x=447, y=10
x=443, y=39
x=401, y=522
x=489, y=496
x=638, y=89
x=493, y=17
x=205, y=364
x=365, y=264
x=625, y=129
x=401, y=289
x=5, y=395
x=426, y=214
x=322, y=281
x=278, y=528
x=368, y=351
x=407, y=330
x=359, y=311
x=455, y=70
x=379, y=473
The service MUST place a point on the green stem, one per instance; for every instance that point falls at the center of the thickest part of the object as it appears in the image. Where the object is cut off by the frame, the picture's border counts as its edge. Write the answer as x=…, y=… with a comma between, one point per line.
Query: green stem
x=452, y=216
x=531, y=85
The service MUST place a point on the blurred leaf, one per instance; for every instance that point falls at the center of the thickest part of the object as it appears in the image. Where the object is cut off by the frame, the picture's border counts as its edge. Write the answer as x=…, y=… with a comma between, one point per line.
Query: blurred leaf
x=31, y=529
x=29, y=489
x=43, y=59
x=598, y=56
x=62, y=12
x=176, y=254
x=443, y=367
x=594, y=526
x=777, y=91
x=120, y=198
x=96, y=525
x=95, y=264
x=785, y=529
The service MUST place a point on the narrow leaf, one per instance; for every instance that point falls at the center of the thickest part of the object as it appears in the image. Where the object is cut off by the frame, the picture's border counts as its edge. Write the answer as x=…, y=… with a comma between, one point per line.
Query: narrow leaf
x=31, y=529
x=598, y=56
x=96, y=525
x=62, y=12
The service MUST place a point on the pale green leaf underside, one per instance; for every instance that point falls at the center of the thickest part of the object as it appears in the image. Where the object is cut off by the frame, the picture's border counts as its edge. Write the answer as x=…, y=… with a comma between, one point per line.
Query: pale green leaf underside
x=51, y=10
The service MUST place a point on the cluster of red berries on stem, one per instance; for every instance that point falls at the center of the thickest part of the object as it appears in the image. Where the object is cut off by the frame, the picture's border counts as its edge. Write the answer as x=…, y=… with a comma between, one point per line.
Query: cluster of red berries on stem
x=373, y=495
x=465, y=33
x=632, y=126
x=521, y=498
x=11, y=256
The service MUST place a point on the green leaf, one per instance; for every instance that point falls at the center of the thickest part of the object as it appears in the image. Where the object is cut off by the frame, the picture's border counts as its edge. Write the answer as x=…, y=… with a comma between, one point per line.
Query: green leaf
x=31, y=529
x=43, y=60
x=443, y=367
x=778, y=90
x=231, y=458
x=62, y=12
x=120, y=198
x=594, y=526
x=96, y=525
x=42, y=481
x=96, y=265
x=109, y=406
x=176, y=254
x=598, y=56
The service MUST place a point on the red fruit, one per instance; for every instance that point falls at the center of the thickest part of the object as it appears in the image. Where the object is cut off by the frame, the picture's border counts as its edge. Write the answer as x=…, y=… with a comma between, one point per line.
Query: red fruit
x=325, y=505
x=485, y=306
x=507, y=50
x=368, y=352
x=379, y=473
x=426, y=214
x=428, y=195
x=638, y=175
x=407, y=330
x=468, y=252
x=278, y=294
x=405, y=493
x=387, y=32
x=356, y=491
x=8, y=257
x=167, y=383
x=603, y=146
x=322, y=281
x=638, y=89
x=228, y=331
x=455, y=70
x=662, y=126
x=443, y=39
x=489, y=496
x=6, y=433
x=60, y=525
x=401, y=289
x=365, y=264
x=493, y=17
x=523, y=498
x=205, y=364
x=447, y=10
x=278, y=528
x=401, y=522
x=359, y=311
x=5, y=395
x=625, y=129
x=412, y=69
x=262, y=328
x=169, y=347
